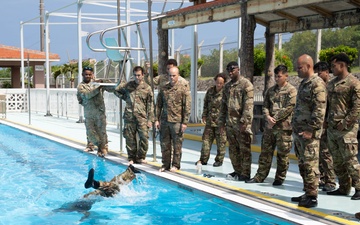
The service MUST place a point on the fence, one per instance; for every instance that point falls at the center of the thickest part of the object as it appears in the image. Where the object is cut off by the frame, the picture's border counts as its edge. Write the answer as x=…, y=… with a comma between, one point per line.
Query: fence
x=64, y=103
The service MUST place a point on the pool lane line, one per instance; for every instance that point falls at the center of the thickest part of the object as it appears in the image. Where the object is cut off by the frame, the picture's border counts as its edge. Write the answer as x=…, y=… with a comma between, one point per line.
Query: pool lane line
x=194, y=176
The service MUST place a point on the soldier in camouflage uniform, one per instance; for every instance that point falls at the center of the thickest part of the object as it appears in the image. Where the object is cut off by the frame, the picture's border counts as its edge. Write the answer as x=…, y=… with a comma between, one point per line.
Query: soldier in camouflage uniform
x=210, y=116
x=327, y=174
x=237, y=115
x=91, y=95
x=162, y=79
x=278, y=107
x=138, y=114
x=342, y=119
x=307, y=124
x=112, y=187
x=172, y=114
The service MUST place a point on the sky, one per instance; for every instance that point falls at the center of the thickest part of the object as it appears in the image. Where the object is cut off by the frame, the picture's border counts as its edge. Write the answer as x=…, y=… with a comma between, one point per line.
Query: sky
x=63, y=34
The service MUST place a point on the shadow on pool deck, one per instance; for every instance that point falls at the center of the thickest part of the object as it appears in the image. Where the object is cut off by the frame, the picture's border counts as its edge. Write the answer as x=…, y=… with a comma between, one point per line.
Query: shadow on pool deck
x=338, y=209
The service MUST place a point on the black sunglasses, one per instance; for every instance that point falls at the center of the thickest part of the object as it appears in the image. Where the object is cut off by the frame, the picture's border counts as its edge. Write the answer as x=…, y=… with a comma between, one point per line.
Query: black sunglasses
x=87, y=68
x=231, y=68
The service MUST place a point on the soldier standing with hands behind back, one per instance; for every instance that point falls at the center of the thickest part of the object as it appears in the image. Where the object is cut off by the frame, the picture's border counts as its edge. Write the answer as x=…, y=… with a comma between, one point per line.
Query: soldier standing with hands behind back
x=210, y=116
x=172, y=115
x=342, y=119
x=237, y=115
x=307, y=124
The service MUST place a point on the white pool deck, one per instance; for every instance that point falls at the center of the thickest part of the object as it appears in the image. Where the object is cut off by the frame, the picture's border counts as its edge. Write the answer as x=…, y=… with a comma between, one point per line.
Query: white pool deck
x=263, y=196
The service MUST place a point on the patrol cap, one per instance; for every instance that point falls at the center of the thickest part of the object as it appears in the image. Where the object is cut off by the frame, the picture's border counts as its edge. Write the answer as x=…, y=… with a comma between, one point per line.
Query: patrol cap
x=232, y=65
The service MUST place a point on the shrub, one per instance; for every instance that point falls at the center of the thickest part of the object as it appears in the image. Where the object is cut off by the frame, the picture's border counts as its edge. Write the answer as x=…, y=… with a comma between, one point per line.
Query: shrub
x=6, y=84
x=327, y=54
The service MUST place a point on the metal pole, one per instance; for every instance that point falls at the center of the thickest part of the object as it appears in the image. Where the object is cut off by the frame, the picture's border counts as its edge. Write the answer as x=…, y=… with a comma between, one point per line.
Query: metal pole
x=318, y=44
x=151, y=75
x=29, y=104
x=173, y=43
x=221, y=52
x=42, y=25
x=280, y=41
x=120, y=73
x=47, y=64
x=22, y=54
x=193, y=76
x=79, y=5
x=239, y=38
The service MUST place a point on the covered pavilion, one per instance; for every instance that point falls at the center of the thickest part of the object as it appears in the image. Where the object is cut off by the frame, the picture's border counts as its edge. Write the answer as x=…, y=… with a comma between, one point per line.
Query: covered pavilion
x=11, y=57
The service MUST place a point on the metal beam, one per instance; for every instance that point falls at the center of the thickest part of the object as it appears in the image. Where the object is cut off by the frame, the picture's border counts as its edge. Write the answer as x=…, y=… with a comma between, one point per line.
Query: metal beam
x=226, y=12
x=340, y=19
x=320, y=10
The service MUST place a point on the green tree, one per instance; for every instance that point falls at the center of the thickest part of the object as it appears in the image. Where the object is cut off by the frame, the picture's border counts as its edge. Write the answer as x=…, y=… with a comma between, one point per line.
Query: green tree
x=327, y=54
x=211, y=62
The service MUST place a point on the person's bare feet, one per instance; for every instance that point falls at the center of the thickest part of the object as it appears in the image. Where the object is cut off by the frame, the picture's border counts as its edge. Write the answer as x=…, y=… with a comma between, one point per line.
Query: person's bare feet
x=173, y=169
x=143, y=161
x=131, y=162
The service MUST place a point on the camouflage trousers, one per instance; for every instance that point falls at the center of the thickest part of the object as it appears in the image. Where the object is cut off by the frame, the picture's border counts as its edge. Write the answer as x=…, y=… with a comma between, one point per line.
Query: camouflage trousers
x=343, y=146
x=111, y=188
x=239, y=150
x=271, y=139
x=131, y=130
x=307, y=152
x=96, y=131
x=326, y=167
x=209, y=135
x=171, y=138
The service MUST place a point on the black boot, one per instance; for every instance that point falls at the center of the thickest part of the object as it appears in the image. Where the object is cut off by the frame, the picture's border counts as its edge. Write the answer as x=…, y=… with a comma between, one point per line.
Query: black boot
x=308, y=202
x=132, y=168
x=356, y=196
x=90, y=182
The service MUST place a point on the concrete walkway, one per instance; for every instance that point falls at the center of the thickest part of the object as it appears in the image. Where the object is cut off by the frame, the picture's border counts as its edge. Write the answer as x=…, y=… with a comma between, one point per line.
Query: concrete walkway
x=335, y=209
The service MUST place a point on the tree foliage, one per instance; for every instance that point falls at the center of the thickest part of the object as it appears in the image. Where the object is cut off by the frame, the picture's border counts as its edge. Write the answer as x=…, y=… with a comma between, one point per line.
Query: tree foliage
x=211, y=62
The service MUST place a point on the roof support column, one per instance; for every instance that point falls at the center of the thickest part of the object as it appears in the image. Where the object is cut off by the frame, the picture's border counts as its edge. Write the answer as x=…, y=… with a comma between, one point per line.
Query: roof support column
x=269, y=59
x=79, y=5
x=163, y=43
x=246, y=52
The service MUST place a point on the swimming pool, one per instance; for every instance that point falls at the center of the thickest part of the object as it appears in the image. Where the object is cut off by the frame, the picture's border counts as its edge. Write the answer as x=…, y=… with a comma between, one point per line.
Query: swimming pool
x=39, y=176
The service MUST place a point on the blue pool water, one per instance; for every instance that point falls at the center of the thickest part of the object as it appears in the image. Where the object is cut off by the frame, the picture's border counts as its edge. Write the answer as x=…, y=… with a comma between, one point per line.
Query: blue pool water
x=39, y=176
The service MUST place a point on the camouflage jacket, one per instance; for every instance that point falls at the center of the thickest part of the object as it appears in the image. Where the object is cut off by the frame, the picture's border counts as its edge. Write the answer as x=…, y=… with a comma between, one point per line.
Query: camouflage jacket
x=343, y=102
x=279, y=103
x=309, y=111
x=212, y=104
x=237, y=103
x=90, y=95
x=163, y=79
x=173, y=103
x=139, y=100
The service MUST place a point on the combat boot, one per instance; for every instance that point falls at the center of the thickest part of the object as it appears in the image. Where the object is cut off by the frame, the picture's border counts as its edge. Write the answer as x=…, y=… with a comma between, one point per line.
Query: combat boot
x=90, y=182
x=337, y=192
x=308, y=202
x=356, y=196
x=298, y=199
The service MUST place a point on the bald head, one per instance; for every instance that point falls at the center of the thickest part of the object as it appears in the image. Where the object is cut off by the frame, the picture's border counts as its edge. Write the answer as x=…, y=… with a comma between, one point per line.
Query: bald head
x=174, y=75
x=305, y=66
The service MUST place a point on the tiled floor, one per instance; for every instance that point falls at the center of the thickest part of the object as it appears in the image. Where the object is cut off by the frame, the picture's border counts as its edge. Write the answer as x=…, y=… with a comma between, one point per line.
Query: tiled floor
x=337, y=209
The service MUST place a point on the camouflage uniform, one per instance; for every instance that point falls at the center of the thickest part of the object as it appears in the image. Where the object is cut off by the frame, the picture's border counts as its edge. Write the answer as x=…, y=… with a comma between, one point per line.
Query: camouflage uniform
x=89, y=145
x=163, y=79
x=211, y=111
x=236, y=109
x=111, y=188
x=94, y=112
x=139, y=111
x=344, y=108
x=172, y=110
x=326, y=163
x=309, y=116
x=279, y=103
